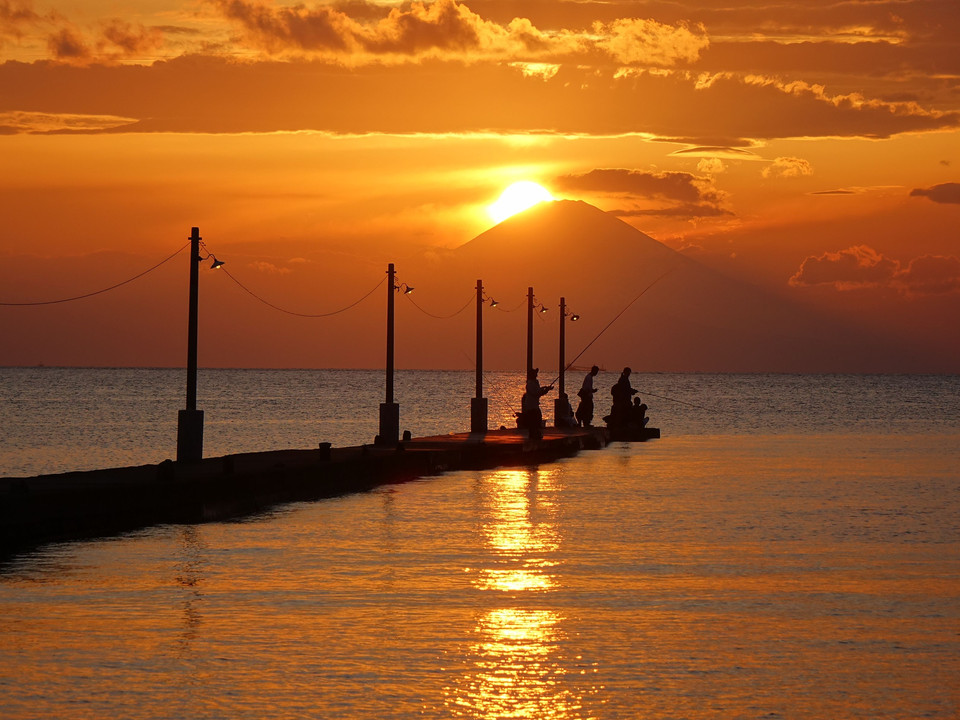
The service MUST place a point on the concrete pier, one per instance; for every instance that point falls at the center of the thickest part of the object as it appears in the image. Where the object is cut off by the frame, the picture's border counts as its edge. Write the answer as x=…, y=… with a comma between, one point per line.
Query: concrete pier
x=76, y=505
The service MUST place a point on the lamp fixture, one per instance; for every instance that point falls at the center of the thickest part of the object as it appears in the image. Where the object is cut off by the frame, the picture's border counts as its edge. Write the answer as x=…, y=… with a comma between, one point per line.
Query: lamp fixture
x=574, y=317
x=216, y=263
x=406, y=289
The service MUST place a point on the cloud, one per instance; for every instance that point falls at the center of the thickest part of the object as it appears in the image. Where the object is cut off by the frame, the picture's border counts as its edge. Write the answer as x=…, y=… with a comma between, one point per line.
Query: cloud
x=833, y=192
x=268, y=267
x=686, y=195
x=686, y=210
x=948, y=193
x=648, y=42
x=437, y=96
x=718, y=151
x=449, y=29
x=441, y=28
x=679, y=186
x=711, y=166
x=787, y=167
x=861, y=266
x=932, y=275
x=36, y=122
x=15, y=17
x=67, y=44
x=130, y=39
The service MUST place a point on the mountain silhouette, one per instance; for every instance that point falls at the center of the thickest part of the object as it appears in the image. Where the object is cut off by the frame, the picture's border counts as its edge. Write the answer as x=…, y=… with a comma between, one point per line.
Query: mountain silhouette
x=688, y=317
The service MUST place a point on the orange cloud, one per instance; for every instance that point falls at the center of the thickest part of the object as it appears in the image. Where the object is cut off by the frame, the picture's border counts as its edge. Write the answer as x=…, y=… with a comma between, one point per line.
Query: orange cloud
x=448, y=97
x=861, y=267
x=648, y=42
x=787, y=167
x=15, y=16
x=687, y=195
x=67, y=44
x=943, y=193
x=447, y=28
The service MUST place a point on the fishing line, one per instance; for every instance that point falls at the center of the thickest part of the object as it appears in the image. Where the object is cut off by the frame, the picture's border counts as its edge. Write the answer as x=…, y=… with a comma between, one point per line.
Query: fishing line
x=683, y=402
x=615, y=318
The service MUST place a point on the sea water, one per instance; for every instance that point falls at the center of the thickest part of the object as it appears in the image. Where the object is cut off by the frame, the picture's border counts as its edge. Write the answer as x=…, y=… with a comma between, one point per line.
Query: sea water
x=789, y=549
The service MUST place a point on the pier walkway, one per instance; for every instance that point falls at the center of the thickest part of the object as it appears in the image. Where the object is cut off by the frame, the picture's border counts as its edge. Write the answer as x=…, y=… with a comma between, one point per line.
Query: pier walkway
x=95, y=503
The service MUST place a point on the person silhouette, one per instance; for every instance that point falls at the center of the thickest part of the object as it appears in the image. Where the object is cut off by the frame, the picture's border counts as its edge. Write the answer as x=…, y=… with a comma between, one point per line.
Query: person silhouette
x=622, y=393
x=585, y=393
x=530, y=404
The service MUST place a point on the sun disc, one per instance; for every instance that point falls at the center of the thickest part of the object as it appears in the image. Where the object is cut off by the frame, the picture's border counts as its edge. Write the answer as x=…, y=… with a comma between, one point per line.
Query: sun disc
x=516, y=198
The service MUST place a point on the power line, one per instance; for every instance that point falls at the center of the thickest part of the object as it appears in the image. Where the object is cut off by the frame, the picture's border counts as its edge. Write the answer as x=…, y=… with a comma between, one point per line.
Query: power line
x=440, y=317
x=298, y=314
x=98, y=292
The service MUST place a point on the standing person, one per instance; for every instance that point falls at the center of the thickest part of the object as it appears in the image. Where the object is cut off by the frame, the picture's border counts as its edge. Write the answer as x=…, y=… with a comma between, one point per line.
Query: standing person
x=622, y=393
x=586, y=391
x=530, y=404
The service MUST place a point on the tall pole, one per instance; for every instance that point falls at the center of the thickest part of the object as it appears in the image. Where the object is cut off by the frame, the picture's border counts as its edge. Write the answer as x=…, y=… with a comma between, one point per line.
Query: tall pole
x=190, y=420
x=529, y=330
x=561, y=404
x=479, y=338
x=563, y=317
x=478, y=404
x=389, y=410
x=391, y=289
x=192, y=314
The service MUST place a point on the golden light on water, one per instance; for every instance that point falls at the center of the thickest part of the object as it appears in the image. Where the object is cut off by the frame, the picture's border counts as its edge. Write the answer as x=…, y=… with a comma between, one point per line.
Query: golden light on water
x=516, y=666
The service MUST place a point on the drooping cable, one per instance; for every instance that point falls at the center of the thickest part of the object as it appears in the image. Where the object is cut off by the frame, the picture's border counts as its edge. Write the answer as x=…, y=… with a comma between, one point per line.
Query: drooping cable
x=441, y=317
x=100, y=292
x=298, y=314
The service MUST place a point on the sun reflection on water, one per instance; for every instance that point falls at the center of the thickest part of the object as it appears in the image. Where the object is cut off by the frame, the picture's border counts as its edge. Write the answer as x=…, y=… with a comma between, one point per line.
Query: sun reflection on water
x=519, y=664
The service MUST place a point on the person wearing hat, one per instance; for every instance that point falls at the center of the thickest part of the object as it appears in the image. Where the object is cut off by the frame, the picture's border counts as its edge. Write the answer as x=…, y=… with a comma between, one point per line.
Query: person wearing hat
x=530, y=404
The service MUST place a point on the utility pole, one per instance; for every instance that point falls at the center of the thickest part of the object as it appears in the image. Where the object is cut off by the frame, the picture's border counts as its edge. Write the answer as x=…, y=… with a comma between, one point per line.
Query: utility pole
x=190, y=420
x=529, y=331
x=478, y=404
x=560, y=403
x=389, y=410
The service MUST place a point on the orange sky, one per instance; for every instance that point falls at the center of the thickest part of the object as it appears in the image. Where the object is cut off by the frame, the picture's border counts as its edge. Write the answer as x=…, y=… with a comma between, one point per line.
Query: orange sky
x=807, y=148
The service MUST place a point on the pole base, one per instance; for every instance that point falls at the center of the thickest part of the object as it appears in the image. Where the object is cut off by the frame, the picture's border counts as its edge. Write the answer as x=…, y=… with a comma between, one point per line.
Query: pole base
x=563, y=413
x=478, y=415
x=190, y=436
x=389, y=424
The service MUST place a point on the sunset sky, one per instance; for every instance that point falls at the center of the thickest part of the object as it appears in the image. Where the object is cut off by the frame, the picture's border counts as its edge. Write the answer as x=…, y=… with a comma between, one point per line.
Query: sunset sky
x=809, y=148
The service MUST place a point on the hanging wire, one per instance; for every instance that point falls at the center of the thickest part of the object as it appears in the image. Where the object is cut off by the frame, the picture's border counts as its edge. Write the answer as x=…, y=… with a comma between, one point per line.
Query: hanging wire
x=501, y=309
x=441, y=317
x=99, y=292
x=291, y=312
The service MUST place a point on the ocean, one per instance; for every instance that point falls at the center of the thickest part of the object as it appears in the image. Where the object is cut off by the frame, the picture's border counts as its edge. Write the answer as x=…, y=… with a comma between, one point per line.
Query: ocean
x=790, y=548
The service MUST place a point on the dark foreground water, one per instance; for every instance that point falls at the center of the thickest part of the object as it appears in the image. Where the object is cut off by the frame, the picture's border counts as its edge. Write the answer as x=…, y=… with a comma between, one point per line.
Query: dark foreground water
x=789, y=549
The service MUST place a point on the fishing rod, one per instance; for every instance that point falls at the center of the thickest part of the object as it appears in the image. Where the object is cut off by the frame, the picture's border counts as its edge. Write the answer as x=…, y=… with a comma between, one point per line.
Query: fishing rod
x=615, y=318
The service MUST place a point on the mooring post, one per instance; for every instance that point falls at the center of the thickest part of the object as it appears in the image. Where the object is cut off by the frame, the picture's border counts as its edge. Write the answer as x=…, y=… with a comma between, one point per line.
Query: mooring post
x=190, y=420
x=478, y=404
x=389, y=410
x=560, y=403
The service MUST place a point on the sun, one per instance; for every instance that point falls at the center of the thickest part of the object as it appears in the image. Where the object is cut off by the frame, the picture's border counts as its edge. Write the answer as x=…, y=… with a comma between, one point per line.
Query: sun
x=517, y=198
